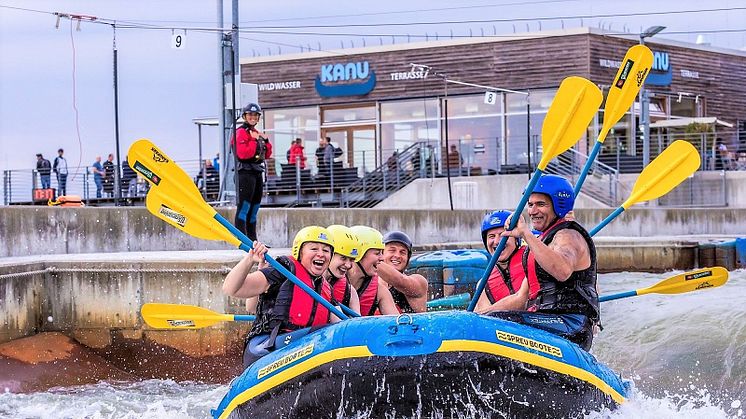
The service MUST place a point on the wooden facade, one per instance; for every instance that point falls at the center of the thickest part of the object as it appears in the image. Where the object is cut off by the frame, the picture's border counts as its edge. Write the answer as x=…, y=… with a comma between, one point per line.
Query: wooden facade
x=516, y=63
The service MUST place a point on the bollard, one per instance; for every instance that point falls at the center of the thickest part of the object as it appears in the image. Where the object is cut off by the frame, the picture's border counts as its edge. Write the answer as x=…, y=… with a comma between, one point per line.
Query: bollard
x=741, y=252
x=725, y=255
x=706, y=255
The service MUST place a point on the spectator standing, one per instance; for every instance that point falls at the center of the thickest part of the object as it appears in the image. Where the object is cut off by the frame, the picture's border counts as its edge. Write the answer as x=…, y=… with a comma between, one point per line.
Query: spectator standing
x=251, y=148
x=98, y=176
x=296, y=154
x=45, y=171
x=109, y=176
x=129, y=179
x=328, y=153
x=723, y=156
x=454, y=157
x=320, y=156
x=216, y=162
x=60, y=169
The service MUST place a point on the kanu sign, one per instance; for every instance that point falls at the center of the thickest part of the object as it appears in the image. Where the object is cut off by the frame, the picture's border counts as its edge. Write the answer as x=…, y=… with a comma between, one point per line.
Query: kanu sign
x=660, y=75
x=348, y=79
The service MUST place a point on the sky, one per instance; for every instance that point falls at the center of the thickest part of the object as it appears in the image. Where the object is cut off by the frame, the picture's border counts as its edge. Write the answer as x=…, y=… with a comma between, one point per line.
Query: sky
x=57, y=82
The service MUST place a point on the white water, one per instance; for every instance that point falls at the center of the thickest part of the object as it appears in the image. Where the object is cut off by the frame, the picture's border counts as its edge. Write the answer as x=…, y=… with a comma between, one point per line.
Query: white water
x=686, y=355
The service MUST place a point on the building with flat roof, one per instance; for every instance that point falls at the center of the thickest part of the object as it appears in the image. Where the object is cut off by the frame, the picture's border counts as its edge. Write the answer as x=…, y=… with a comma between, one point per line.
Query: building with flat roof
x=375, y=100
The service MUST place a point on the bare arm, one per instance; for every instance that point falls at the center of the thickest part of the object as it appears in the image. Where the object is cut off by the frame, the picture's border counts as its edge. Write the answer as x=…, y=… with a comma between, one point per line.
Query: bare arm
x=413, y=286
x=354, y=300
x=515, y=301
x=567, y=253
x=385, y=301
x=240, y=283
x=251, y=304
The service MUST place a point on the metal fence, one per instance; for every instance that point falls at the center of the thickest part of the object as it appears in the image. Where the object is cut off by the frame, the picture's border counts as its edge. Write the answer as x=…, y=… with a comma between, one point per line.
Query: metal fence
x=365, y=177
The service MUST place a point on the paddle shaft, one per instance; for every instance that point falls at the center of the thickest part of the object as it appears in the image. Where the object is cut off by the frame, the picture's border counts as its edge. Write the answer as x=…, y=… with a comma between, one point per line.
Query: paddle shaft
x=617, y=296
x=504, y=240
x=587, y=167
x=606, y=221
x=245, y=245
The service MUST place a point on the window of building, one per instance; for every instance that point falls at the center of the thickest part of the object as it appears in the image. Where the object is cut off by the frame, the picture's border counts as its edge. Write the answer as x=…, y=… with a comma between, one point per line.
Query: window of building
x=349, y=115
x=474, y=133
x=406, y=122
x=285, y=125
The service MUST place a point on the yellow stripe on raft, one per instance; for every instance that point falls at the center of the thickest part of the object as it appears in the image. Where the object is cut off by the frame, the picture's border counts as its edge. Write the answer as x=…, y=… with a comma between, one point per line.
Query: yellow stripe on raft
x=446, y=346
x=533, y=359
x=296, y=370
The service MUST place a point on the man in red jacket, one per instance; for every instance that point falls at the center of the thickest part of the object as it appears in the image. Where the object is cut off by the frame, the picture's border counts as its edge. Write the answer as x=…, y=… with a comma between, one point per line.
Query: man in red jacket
x=251, y=147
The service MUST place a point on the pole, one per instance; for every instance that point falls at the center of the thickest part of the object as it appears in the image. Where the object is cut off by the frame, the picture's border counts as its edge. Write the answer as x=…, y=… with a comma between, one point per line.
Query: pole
x=221, y=121
x=644, y=119
x=201, y=163
x=528, y=135
x=448, y=150
x=118, y=184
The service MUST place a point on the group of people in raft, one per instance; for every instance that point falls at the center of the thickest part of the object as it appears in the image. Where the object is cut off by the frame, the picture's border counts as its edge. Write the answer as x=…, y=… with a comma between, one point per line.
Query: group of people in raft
x=548, y=281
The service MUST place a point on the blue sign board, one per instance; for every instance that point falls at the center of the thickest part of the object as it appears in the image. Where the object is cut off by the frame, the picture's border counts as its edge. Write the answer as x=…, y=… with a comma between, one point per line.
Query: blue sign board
x=661, y=74
x=348, y=79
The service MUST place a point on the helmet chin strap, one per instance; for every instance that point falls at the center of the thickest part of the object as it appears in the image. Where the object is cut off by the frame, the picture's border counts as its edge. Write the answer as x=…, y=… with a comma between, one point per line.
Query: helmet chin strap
x=363, y=269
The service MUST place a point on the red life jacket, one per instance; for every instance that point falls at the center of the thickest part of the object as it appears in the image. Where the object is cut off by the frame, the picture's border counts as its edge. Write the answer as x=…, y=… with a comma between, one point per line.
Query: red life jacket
x=304, y=310
x=503, y=283
x=248, y=147
x=368, y=294
x=341, y=289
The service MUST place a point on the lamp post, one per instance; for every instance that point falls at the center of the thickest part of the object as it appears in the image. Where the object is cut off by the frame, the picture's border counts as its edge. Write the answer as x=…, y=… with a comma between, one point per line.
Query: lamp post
x=644, y=100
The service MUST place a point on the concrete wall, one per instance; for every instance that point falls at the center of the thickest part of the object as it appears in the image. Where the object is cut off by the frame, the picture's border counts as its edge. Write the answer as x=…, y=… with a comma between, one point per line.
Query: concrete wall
x=94, y=301
x=47, y=230
x=505, y=190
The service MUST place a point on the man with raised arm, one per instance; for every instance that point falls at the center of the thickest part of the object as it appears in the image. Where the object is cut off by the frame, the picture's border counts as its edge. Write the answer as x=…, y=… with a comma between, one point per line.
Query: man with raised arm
x=562, y=261
x=409, y=291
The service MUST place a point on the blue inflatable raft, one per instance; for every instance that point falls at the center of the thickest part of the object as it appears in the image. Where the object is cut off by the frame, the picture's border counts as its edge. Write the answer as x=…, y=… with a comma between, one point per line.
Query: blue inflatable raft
x=442, y=364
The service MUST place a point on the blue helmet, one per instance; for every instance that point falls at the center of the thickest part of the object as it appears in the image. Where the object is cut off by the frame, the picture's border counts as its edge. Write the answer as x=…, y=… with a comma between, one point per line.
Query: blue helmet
x=559, y=190
x=492, y=220
x=252, y=108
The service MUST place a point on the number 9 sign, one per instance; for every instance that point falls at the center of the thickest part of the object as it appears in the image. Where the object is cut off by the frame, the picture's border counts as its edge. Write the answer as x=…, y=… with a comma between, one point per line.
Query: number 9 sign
x=177, y=41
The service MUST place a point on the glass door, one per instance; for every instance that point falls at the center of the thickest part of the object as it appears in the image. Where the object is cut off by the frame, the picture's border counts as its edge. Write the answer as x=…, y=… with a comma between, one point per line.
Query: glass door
x=358, y=146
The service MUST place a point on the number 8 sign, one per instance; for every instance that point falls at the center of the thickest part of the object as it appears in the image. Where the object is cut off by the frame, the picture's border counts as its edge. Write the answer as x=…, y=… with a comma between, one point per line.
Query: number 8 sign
x=177, y=41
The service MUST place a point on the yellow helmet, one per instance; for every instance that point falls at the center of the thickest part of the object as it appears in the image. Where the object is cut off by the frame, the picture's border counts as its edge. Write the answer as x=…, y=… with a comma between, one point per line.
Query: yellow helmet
x=369, y=237
x=314, y=234
x=346, y=243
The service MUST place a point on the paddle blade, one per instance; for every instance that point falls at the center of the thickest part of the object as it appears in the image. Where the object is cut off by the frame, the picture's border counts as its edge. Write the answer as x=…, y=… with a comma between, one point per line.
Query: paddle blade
x=452, y=301
x=572, y=109
x=158, y=169
x=178, y=316
x=627, y=83
x=689, y=281
x=676, y=163
x=186, y=217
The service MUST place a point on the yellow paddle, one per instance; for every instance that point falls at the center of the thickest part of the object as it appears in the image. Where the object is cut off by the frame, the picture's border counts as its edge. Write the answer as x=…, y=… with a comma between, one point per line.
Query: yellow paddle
x=181, y=316
x=576, y=102
x=676, y=163
x=679, y=284
x=622, y=92
x=178, y=202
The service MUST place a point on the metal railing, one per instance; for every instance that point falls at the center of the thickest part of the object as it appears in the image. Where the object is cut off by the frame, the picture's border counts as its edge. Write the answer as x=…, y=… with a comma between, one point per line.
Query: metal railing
x=19, y=184
x=401, y=168
x=602, y=182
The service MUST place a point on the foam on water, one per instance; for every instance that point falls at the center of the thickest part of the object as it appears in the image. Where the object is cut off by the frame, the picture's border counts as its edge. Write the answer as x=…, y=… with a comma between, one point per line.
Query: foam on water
x=685, y=354
x=154, y=399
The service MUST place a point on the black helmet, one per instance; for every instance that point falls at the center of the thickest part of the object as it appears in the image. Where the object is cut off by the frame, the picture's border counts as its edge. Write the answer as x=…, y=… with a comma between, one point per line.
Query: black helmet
x=399, y=237
x=251, y=107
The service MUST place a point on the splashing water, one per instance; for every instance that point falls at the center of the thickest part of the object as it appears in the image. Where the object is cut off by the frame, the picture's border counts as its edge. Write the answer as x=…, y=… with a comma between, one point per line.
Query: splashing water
x=685, y=354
